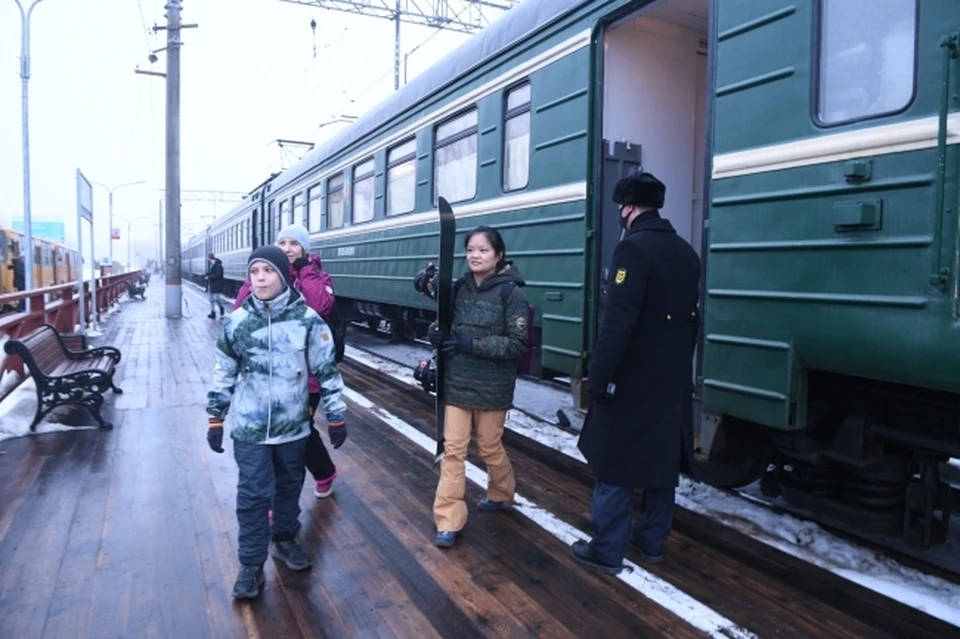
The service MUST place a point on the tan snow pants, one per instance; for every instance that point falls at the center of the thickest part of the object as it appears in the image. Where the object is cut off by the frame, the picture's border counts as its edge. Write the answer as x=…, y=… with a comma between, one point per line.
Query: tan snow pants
x=449, y=508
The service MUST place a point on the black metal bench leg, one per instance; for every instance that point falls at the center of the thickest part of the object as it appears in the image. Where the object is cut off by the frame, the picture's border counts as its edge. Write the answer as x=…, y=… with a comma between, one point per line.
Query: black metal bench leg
x=38, y=415
x=93, y=404
x=116, y=389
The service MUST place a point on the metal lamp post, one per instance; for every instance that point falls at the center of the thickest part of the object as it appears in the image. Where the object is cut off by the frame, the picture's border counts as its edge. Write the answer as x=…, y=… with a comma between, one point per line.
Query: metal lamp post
x=130, y=239
x=25, y=80
x=110, y=224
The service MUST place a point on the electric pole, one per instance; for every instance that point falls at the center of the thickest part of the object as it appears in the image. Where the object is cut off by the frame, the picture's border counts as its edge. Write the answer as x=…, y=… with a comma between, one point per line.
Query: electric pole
x=174, y=291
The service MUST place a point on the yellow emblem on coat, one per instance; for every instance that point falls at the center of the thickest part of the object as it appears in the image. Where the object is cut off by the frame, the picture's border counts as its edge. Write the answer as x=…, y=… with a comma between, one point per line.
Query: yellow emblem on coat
x=621, y=275
x=325, y=336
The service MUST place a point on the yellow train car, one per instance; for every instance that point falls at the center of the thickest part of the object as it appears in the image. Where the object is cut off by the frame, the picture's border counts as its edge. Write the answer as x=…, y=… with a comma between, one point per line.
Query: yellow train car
x=52, y=263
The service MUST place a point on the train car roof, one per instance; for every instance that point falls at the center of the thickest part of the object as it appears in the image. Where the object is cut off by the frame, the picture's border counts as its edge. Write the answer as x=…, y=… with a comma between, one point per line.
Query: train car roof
x=511, y=28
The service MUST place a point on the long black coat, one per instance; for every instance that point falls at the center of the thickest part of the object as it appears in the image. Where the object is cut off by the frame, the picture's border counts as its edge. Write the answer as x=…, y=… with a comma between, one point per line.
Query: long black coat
x=215, y=276
x=645, y=347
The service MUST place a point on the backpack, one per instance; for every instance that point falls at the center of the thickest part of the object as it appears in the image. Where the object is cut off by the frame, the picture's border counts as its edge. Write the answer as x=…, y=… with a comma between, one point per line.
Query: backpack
x=525, y=360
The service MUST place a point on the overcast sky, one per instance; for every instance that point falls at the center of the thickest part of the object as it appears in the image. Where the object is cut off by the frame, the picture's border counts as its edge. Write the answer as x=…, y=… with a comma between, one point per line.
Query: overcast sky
x=249, y=76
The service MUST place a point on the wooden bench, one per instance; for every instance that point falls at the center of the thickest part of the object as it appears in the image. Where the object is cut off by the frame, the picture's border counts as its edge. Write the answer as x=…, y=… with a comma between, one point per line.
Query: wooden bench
x=64, y=376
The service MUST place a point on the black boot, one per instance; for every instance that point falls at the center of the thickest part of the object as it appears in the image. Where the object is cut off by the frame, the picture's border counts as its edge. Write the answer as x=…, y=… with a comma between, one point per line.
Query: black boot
x=212, y=315
x=249, y=582
x=221, y=311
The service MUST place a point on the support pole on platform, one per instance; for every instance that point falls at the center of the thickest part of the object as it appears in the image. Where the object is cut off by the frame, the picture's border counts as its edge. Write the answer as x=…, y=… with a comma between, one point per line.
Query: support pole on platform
x=174, y=292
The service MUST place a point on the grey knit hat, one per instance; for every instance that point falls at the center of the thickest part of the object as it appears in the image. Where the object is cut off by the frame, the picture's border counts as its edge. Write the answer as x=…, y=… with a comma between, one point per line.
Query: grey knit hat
x=296, y=232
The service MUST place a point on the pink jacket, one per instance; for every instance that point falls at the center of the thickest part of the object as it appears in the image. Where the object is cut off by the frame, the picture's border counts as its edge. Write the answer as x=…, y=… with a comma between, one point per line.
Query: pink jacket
x=314, y=284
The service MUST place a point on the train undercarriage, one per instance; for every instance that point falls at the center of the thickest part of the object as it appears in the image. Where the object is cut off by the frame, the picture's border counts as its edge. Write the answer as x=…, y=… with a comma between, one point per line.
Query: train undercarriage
x=869, y=460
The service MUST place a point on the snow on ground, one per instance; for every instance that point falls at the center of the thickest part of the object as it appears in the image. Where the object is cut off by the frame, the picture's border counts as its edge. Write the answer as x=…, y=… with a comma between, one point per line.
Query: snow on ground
x=18, y=409
x=805, y=540
x=532, y=397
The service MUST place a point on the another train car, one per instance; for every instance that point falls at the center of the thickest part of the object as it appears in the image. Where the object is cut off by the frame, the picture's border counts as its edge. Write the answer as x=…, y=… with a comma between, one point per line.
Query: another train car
x=44, y=258
x=810, y=154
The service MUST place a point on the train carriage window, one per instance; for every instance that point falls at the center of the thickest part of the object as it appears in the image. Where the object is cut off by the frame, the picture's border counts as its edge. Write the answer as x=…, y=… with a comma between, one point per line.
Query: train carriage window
x=298, y=209
x=867, y=58
x=401, y=178
x=516, y=139
x=363, y=192
x=3, y=246
x=455, y=159
x=282, y=217
x=335, y=202
x=314, y=208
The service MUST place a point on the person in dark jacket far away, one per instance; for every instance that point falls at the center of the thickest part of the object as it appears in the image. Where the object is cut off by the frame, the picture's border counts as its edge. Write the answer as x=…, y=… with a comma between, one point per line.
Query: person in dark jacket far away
x=19, y=278
x=214, y=279
x=639, y=427
x=489, y=334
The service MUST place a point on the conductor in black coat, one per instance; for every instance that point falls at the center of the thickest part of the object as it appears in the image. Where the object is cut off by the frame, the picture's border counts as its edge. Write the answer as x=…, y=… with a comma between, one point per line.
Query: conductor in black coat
x=639, y=428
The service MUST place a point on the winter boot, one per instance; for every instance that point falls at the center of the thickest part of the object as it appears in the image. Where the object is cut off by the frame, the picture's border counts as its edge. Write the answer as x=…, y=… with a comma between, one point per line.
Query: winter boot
x=290, y=553
x=221, y=311
x=212, y=315
x=325, y=486
x=249, y=582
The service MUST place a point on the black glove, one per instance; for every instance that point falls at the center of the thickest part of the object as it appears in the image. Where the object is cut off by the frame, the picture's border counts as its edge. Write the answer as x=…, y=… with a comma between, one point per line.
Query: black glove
x=215, y=435
x=338, y=433
x=300, y=262
x=435, y=335
x=460, y=343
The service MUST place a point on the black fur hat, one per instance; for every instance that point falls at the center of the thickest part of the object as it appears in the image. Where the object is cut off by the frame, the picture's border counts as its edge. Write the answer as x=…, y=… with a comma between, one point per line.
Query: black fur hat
x=640, y=189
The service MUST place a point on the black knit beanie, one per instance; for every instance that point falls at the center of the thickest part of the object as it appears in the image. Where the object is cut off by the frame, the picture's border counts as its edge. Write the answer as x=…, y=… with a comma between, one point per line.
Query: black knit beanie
x=273, y=256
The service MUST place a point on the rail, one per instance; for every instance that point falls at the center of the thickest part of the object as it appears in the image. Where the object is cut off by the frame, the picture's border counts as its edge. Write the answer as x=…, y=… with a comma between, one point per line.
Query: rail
x=58, y=306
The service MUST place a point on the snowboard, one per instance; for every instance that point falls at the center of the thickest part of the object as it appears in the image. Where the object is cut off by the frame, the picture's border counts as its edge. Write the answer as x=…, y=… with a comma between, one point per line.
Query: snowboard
x=444, y=288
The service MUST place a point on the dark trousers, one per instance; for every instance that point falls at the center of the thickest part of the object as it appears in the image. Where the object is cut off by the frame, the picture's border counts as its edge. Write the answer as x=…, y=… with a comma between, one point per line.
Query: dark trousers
x=268, y=473
x=612, y=512
x=316, y=457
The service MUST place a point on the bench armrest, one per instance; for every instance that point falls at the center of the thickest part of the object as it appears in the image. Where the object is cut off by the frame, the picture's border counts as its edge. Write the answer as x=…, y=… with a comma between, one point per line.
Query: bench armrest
x=91, y=353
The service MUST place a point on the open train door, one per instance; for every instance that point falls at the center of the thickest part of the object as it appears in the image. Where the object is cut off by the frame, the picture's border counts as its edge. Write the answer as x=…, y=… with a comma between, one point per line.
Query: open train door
x=619, y=160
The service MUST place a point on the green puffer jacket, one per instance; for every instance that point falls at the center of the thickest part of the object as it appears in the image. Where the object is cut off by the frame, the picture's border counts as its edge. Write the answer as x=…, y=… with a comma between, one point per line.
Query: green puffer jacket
x=485, y=379
x=261, y=375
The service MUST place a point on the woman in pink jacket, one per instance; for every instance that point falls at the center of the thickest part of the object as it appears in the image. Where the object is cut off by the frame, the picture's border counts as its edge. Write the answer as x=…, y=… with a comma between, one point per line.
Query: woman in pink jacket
x=308, y=277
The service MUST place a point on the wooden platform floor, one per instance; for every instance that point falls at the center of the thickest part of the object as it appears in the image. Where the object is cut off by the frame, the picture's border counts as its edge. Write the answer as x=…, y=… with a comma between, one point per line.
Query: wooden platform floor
x=132, y=533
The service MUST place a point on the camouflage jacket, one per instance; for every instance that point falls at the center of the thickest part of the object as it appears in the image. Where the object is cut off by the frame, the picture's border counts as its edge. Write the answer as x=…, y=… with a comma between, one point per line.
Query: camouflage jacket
x=485, y=379
x=265, y=355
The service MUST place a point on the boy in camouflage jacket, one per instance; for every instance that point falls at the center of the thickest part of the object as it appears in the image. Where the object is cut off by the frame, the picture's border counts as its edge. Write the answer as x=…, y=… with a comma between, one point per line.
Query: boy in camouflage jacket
x=266, y=352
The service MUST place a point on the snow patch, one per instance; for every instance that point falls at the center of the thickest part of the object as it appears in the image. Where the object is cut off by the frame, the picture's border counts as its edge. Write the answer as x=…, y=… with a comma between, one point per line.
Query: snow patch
x=18, y=409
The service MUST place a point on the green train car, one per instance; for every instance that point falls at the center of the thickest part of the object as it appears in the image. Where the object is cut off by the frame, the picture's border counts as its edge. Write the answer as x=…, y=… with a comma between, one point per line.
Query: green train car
x=810, y=154
x=831, y=350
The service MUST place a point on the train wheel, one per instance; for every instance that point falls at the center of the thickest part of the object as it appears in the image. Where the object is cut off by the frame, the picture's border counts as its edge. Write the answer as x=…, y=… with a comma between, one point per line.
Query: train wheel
x=737, y=457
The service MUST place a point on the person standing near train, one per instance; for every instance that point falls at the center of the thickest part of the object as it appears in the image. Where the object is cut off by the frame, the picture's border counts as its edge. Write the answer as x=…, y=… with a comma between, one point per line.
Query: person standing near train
x=306, y=275
x=19, y=278
x=489, y=334
x=638, y=432
x=214, y=279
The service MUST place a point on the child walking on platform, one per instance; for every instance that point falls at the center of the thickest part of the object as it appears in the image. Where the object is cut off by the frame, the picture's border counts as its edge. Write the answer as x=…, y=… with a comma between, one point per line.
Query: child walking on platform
x=267, y=351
